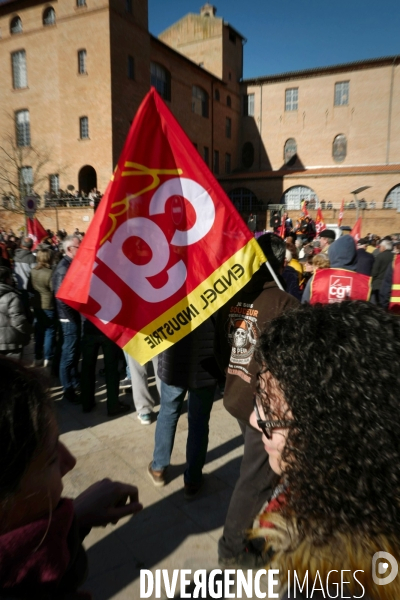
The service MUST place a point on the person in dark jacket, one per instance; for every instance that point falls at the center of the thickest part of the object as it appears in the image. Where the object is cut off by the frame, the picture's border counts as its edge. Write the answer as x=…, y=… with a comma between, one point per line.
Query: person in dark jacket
x=291, y=278
x=24, y=261
x=15, y=329
x=188, y=366
x=70, y=321
x=365, y=260
x=382, y=261
x=238, y=327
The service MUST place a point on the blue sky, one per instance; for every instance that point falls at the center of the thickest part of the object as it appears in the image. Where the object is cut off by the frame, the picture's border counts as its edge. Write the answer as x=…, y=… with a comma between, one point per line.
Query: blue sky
x=292, y=35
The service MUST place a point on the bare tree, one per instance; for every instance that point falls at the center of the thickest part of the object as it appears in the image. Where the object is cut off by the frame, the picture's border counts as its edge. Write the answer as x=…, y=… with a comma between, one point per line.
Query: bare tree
x=22, y=172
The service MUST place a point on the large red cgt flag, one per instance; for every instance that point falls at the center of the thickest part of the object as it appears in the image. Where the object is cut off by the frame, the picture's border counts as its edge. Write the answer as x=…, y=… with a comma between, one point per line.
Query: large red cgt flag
x=36, y=231
x=356, y=231
x=166, y=248
x=319, y=222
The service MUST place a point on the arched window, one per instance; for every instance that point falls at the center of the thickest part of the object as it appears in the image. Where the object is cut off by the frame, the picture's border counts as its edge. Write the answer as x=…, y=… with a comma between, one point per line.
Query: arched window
x=294, y=197
x=392, y=199
x=248, y=155
x=339, y=148
x=244, y=200
x=160, y=78
x=49, y=16
x=16, y=25
x=228, y=101
x=290, y=150
x=199, y=101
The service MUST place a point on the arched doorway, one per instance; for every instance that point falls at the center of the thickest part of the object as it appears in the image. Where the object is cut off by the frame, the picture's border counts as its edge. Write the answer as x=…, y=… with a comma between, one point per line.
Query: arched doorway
x=293, y=197
x=87, y=179
x=392, y=198
x=247, y=203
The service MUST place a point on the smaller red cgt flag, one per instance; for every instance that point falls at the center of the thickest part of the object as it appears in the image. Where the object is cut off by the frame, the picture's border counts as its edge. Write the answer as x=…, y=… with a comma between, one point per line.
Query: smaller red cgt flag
x=341, y=213
x=319, y=222
x=356, y=231
x=36, y=232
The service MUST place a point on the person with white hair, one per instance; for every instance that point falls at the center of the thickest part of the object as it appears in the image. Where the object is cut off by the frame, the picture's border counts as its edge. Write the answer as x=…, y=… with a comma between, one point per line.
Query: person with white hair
x=70, y=321
x=382, y=261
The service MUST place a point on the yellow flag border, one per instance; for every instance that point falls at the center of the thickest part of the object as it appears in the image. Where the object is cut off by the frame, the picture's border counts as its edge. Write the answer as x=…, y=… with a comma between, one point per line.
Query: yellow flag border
x=214, y=292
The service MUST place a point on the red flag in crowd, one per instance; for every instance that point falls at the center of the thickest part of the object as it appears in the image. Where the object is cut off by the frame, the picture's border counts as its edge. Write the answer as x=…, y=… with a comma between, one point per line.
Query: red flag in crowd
x=319, y=222
x=356, y=231
x=166, y=248
x=283, y=227
x=304, y=208
x=37, y=232
x=341, y=213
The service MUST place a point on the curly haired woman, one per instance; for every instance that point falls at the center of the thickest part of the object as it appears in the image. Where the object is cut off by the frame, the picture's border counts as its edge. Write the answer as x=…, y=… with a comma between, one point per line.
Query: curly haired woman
x=335, y=445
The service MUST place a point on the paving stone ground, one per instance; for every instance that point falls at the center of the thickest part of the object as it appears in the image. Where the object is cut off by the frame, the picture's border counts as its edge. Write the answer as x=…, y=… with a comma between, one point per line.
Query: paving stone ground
x=170, y=533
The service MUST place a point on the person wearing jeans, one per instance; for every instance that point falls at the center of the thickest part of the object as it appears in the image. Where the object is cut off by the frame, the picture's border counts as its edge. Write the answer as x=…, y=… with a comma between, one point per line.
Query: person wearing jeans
x=188, y=366
x=40, y=285
x=70, y=321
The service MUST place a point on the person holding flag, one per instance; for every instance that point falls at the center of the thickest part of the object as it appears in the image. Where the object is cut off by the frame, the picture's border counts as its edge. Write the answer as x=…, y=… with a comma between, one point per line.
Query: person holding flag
x=319, y=222
x=238, y=328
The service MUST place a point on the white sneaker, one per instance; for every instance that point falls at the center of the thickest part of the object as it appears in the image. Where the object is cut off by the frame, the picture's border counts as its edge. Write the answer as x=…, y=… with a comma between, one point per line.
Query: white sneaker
x=47, y=362
x=145, y=419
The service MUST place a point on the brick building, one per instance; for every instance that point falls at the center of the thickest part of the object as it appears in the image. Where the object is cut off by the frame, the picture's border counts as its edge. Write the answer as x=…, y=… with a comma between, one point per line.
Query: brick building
x=73, y=73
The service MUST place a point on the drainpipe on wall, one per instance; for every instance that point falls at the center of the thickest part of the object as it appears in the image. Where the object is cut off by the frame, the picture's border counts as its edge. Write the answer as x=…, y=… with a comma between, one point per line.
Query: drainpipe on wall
x=390, y=111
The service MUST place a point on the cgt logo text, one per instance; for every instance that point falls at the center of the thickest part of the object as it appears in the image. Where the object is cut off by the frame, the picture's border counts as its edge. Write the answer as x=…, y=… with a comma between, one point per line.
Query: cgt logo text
x=262, y=583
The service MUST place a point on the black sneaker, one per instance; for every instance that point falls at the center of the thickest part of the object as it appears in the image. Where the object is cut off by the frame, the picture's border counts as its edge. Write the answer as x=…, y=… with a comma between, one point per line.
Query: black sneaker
x=248, y=559
x=72, y=397
x=191, y=490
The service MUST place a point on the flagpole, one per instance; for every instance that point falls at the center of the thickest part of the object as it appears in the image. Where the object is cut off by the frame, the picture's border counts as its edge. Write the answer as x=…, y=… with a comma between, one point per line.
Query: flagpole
x=278, y=283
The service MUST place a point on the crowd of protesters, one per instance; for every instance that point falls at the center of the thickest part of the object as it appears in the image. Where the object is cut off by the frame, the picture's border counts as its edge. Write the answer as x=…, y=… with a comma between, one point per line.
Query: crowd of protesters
x=320, y=472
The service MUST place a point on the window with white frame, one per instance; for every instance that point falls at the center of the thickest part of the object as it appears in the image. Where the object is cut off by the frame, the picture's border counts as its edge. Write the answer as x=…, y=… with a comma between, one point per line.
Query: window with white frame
x=82, y=62
x=18, y=61
x=54, y=181
x=80, y=3
x=160, y=78
x=291, y=99
x=49, y=16
x=342, y=93
x=25, y=180
x=248, y=105
x=84, y=128
x=22, y=128
x=199, y=101
x=15, y=25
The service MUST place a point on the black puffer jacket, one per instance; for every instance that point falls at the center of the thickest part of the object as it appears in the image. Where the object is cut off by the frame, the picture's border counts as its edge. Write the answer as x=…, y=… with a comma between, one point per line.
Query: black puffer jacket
x=15, y=329
x=190, y=362
x=63, y=310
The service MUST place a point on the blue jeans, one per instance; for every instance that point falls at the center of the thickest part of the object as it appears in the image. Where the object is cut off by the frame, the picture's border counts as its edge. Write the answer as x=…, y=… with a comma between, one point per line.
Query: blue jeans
x=45, y=329
x=199, y=408
x=70, y=352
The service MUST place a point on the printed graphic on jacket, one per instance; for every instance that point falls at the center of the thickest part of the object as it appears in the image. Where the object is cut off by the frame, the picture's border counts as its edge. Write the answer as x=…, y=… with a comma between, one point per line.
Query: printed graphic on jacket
x=243, y=332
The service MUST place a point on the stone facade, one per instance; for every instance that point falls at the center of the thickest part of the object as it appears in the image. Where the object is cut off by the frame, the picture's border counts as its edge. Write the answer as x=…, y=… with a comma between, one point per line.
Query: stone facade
x=247, y=123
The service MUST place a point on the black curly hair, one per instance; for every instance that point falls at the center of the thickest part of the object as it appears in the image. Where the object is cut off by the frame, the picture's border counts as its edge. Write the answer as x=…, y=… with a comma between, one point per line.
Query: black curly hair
x=338, y=367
